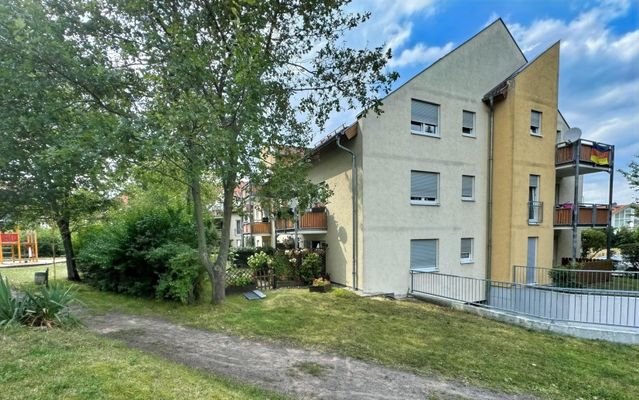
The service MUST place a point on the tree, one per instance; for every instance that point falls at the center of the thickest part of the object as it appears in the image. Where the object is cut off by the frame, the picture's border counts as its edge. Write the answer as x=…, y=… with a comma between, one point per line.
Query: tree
x=592, y=241
x=56, y=154
x=632, y=174
x=229, y=80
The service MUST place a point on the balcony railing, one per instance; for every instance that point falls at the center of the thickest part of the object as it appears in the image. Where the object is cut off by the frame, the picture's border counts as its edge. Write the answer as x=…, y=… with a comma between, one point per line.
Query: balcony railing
x=589, y=215
x=566, y=153
x=257, y=228
x=311, y=220
x=535, y=212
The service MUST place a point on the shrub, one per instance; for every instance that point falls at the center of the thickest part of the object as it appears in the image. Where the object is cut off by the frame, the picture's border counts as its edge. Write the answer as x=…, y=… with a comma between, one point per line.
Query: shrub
x=239, y=256
x=144, y=252
x=184, y=275
x=283, y=268
x=259, y=262
x=11, y=307
x=47, y=237
x=567, y=278
x=47, y=307
x=311, y=267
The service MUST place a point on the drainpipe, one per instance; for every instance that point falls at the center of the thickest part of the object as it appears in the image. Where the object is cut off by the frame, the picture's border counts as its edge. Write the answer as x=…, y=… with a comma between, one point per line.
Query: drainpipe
x=609, y=228
x=354, y=196
x=489, y=213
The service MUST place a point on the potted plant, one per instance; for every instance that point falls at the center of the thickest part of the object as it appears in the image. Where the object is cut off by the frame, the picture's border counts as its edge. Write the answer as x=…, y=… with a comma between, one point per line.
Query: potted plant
x=320, y=285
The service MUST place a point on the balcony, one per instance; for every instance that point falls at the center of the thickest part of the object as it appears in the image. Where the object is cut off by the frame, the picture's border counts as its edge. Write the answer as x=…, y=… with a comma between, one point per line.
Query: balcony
x=590, y=215
x=310, y=222
x=257, y=228
x=593, y=157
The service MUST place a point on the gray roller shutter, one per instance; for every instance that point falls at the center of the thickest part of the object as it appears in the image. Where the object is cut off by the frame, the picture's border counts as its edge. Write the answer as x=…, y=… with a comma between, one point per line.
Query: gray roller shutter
x=468, y=120
x=466, y=248
x=427, y=113
x=467, y=186
x=423, y=185
x=535, y=119
x=423, y=254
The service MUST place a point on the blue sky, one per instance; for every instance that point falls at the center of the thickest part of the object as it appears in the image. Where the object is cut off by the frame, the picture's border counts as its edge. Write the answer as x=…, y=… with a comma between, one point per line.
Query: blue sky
x=599, y=67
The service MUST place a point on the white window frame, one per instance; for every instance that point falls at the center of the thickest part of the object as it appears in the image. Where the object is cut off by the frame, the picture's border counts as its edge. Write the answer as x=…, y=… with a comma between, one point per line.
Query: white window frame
x=424, y=202
x=427, y=129
x=427, y=269
x=472, y=131
x=470, y=258
x=472, y=198
x=541, y=116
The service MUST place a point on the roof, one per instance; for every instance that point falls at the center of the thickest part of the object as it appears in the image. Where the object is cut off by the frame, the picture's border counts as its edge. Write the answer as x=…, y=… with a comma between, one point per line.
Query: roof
x=331, y=137
x=349, y=132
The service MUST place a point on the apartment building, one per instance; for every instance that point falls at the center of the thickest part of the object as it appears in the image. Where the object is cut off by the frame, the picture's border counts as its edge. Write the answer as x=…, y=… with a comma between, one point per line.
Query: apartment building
x=459, y=174
x=625, y=216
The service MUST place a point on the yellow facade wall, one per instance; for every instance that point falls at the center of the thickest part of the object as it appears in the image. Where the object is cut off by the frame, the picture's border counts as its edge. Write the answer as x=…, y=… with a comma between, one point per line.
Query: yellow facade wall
x=518, y=154
x=333, y=166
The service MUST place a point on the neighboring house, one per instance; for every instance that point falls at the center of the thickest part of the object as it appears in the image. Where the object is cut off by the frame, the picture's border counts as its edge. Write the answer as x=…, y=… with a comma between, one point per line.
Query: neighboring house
x=625, y=216
x=462, y=173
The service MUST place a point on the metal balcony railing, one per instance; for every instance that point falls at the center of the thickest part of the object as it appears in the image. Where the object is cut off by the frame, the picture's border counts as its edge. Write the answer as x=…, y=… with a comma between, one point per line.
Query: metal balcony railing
x=311, y=220
x=589, y=215
x=535, y=212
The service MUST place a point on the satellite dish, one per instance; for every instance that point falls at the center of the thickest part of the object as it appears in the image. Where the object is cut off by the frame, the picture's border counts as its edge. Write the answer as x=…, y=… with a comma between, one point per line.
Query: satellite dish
x=572, y=135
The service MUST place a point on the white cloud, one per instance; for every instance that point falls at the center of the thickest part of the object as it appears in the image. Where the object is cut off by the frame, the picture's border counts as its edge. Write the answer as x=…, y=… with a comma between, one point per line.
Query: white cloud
x=420, y=54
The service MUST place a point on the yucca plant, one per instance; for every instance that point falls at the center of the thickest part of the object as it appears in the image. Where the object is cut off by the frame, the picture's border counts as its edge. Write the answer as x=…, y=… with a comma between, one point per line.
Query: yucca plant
x=49, y=307
x=12, y=308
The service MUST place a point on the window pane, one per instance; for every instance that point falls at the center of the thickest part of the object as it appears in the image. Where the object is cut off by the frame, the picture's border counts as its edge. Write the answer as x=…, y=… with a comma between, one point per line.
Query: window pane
x=467, y=186
x=423, y=253
x=423, y=185
x=427, y=113
x=466, y=248
x=535, y=119
x=468, y=120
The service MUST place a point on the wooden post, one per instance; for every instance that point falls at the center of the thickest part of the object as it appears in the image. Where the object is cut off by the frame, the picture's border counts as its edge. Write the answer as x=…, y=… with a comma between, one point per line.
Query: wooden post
x=35, y=250
x=19, y=246
x=1, y=249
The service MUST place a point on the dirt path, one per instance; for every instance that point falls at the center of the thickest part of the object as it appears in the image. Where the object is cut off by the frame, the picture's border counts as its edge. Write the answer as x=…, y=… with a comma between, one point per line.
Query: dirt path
x=296, y=372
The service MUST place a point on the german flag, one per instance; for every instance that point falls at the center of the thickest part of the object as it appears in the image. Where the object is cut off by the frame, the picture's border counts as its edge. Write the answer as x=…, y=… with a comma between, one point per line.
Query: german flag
x=600, y=154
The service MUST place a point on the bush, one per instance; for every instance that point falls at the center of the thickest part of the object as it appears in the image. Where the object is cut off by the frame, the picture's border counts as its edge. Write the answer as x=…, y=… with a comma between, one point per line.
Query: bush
x=47, y=237
x=311, y=267
x=46, y=307
x=630, y=253
x=259, y=262
x=566, y=278
x=144, y=252
x=239, y=256
x=283, y=268
x=184, y=275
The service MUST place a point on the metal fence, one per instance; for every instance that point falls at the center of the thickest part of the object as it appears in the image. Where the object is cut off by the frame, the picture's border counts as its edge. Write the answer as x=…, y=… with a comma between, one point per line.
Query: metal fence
x=539, y=300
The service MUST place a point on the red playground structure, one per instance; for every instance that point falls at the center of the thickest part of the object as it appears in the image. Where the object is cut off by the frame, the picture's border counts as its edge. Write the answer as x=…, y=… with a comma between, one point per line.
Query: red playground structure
x=12, y=247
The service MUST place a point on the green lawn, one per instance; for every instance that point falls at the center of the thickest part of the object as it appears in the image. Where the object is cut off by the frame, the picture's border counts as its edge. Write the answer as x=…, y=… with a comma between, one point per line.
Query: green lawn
x=415, y=336
x=75, y=364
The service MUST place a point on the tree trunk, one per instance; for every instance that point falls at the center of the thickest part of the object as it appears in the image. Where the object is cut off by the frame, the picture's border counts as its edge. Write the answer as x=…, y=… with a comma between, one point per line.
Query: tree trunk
x=223, y=255
x=202, y=246
x=65, y=232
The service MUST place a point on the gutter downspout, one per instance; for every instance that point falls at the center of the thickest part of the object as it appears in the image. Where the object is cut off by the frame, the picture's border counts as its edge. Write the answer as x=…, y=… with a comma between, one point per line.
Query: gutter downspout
x=489, y=213
x=355, y=210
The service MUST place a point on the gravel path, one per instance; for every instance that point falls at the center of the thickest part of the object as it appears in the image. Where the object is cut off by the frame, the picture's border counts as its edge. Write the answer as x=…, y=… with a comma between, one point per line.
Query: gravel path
x=298, y=373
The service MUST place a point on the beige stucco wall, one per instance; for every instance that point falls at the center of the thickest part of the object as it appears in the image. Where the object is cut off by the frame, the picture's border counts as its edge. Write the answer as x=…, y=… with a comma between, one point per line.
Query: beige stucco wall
x=518, y=154
x=333, y=166
x=458, y=82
